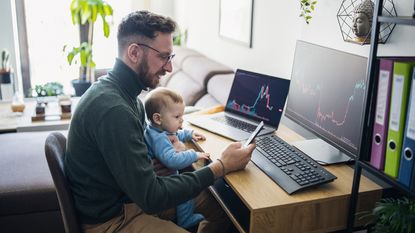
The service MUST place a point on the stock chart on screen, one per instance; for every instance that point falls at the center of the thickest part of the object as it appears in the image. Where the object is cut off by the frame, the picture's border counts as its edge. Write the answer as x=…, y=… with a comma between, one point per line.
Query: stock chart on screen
x=327, y=94
x=258, y=96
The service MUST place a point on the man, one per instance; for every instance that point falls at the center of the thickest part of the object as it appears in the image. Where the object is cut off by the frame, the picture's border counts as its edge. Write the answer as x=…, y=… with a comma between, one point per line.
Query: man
x=113, y=180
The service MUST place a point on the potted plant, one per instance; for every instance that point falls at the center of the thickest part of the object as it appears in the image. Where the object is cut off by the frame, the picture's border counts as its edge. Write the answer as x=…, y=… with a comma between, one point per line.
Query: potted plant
x=84, y=14
x=393, y=215
x=307, y=6
x=48, y=89
x=6, y=77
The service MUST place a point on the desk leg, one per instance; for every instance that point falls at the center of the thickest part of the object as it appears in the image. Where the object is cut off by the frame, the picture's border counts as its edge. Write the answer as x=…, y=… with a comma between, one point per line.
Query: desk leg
x=354, y=196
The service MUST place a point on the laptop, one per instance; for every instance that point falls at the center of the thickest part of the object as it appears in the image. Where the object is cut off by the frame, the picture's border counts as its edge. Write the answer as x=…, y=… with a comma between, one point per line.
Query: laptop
x=253, y=98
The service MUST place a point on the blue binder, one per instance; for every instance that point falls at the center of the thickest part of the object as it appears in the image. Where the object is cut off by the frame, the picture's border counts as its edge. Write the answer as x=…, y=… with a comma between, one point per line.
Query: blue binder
x=407, y=167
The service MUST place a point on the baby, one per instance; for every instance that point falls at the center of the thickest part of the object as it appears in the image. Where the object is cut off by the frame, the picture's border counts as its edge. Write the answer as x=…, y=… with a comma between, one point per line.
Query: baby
x=164, y=137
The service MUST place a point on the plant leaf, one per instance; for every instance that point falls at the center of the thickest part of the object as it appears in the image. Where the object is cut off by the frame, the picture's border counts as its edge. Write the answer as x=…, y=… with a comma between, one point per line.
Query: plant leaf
x=106, y=28
x=70, y=58
x=94, y=13
x=107, y=9
x=85, y=12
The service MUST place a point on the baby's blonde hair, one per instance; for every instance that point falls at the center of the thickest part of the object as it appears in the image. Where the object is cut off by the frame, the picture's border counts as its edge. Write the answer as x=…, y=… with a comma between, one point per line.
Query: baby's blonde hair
x=157, y=99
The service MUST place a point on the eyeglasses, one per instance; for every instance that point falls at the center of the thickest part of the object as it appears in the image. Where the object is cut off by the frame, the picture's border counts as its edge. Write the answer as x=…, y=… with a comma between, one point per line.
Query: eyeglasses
x=166, y=58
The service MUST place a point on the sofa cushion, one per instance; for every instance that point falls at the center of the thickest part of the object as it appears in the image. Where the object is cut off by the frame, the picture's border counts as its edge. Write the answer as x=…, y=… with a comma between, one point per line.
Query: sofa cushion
x=182, y=53
x=190, y=90
x=166, y=78
x=201, y=69
x=207, y=101
x=218, y=89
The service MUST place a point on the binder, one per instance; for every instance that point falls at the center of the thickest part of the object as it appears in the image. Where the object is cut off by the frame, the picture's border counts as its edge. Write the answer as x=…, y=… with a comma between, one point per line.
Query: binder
x=402, y=72
x=408, y=148
x=380, y=127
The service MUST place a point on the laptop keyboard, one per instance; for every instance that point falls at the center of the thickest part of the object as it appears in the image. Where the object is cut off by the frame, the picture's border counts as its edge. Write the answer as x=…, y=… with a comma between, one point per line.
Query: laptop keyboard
x=242, y=125
x=291, y=169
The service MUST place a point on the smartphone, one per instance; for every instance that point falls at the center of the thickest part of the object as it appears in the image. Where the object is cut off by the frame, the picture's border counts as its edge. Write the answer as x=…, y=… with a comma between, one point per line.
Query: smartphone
x=254, y=134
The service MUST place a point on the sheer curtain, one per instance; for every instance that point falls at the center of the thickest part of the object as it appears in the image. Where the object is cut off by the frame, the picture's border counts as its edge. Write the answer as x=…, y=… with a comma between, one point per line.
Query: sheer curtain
x=49, y=28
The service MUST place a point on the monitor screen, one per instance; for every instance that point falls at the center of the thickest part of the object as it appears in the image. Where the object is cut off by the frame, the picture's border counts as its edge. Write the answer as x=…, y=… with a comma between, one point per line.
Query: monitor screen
x=258, y=96
x=327, y=94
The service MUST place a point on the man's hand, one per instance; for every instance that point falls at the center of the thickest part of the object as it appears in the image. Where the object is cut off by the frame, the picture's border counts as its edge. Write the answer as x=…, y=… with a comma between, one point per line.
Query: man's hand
x=160, y=169
x=198, y=136
x=236, y=157
x=233, y=158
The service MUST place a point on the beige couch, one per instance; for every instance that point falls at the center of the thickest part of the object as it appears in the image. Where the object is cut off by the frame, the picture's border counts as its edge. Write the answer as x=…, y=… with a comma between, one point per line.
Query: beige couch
x=201, y=81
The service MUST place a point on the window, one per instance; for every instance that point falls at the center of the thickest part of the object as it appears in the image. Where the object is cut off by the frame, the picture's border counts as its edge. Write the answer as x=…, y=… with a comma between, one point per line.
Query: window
x=49, y=28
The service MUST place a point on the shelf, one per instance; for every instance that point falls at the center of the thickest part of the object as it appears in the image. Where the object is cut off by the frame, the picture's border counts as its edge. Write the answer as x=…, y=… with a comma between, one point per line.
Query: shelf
x=369, y=118
x=403, y=20
x=393, y=182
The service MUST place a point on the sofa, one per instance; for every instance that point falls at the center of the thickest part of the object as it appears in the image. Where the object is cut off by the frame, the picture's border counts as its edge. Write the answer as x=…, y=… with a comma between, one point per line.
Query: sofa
x=201, y=81
x=28, y=202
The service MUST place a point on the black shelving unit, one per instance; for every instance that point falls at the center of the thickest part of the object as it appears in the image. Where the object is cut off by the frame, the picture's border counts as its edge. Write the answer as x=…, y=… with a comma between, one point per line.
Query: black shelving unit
x=369, y=114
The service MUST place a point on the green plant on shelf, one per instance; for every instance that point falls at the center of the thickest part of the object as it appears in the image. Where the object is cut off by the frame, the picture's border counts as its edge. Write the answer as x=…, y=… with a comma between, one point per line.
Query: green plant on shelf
x=5, y=63
x=393, y=215
x=48, y=89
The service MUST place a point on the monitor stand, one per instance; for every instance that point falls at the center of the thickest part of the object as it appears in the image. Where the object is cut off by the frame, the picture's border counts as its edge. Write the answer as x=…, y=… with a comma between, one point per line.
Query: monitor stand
x=322, y=152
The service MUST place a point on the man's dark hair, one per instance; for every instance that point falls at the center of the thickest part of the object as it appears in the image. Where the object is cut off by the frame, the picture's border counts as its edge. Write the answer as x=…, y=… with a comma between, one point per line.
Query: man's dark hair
x=142, y=24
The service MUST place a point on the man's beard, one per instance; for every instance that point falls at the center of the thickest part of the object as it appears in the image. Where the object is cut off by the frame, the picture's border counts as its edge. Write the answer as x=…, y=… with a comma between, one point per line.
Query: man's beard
x=148, y=79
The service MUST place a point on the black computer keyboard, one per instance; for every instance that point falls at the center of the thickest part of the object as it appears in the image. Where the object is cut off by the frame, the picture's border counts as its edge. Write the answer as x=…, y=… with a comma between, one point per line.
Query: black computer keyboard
x=291, y=169
x=242, y=125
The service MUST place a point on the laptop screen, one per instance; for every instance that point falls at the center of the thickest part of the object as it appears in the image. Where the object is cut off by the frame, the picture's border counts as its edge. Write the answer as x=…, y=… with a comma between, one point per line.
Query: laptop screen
x=258, y=96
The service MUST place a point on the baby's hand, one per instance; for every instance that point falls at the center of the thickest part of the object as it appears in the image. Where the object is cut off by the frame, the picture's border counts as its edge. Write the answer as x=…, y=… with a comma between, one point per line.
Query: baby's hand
x=177, y=144
x=197, y=136
x=203, y=155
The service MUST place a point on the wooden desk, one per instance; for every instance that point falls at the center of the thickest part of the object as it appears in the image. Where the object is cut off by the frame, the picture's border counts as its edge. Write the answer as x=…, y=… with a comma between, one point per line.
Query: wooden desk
x=270, y=209
x=20, y=122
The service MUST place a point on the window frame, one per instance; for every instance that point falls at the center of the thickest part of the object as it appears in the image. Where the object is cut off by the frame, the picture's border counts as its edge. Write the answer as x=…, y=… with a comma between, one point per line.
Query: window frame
x=23, y=46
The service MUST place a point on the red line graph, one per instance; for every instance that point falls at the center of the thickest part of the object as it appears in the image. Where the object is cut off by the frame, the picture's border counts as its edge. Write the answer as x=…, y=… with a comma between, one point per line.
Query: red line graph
x=324, y=116
x=261, y=95
x=251, y=110
x=321, y=117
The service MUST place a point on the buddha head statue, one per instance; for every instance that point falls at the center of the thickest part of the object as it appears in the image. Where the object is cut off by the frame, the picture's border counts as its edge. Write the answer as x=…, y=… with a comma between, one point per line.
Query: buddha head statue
x=362, y=18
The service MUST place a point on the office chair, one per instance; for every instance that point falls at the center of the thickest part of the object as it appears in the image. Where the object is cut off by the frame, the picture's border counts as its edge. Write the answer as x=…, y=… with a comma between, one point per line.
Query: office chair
x=55, y=147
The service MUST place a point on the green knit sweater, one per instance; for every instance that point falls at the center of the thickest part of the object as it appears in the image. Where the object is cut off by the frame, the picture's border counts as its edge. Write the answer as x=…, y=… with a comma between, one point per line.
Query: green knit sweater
x=106, y=159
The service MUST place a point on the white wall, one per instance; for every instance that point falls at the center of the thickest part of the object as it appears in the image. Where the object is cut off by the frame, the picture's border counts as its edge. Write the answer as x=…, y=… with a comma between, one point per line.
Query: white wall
x=162, y=7
x=276, y=27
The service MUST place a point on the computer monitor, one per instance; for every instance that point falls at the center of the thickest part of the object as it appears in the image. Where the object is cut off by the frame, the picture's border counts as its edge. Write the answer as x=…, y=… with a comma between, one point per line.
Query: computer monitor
x=326, y=97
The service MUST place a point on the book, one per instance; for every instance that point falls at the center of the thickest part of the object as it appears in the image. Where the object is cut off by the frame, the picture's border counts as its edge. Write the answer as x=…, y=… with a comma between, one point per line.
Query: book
x=397, y=114
x=380, y=127
x=408, y=148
